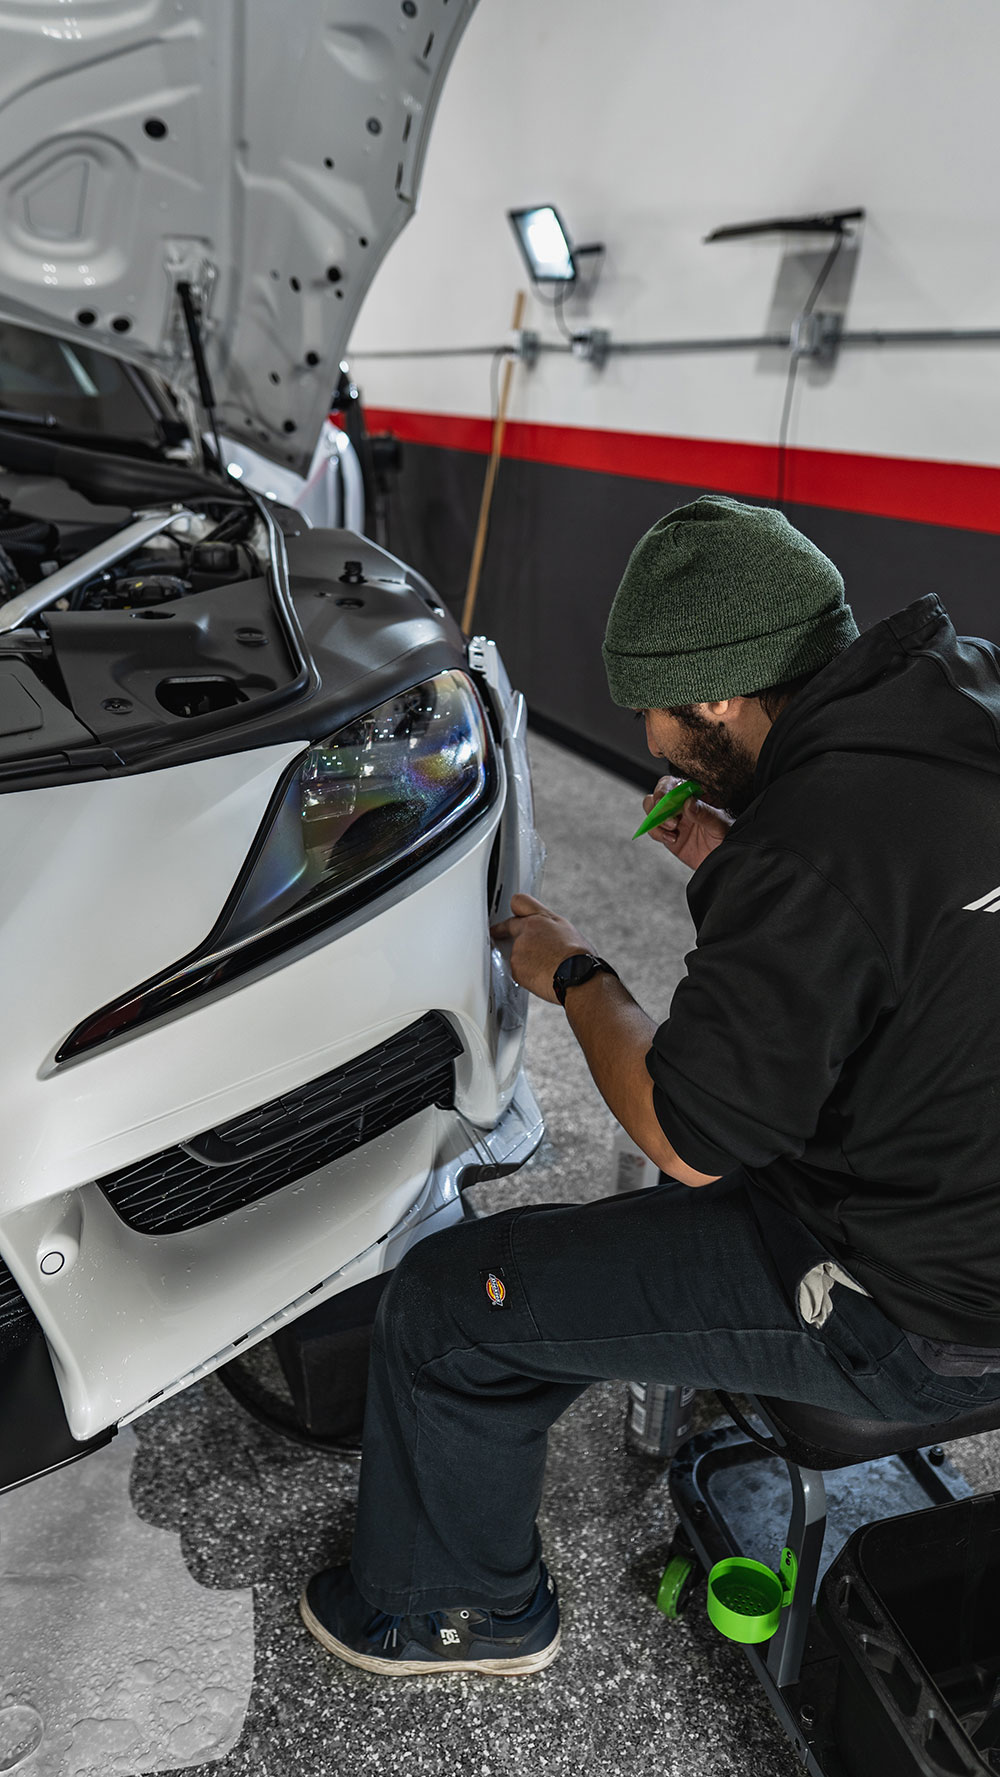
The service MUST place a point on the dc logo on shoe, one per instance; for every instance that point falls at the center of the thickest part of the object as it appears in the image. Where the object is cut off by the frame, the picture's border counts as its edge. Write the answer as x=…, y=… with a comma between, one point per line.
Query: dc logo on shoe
x=450, y=1637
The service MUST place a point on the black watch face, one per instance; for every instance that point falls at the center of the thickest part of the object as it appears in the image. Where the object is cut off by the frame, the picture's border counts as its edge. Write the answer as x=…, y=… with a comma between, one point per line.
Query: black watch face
x=571, y=972
x=575, y=969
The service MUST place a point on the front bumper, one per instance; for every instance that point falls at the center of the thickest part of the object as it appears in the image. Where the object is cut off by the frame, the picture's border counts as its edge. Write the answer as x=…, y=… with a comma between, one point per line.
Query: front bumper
x=493, y=1154
x=132, y=1317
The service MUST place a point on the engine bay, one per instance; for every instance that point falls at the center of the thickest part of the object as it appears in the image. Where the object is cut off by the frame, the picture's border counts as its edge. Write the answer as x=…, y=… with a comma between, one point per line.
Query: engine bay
x=197, y=618
x=46, y=525
x=78, y=575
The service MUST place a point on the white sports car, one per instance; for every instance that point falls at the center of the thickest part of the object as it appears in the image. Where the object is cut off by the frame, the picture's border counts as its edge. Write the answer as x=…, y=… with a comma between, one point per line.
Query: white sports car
x=258, y=798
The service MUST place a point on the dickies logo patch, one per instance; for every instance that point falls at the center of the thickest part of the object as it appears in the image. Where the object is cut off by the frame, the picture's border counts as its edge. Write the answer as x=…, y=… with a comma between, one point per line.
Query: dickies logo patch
x=496, y=1288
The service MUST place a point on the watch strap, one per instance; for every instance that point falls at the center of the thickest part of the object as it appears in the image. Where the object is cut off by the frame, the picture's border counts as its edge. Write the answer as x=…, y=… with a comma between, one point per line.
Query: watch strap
x=597, y=965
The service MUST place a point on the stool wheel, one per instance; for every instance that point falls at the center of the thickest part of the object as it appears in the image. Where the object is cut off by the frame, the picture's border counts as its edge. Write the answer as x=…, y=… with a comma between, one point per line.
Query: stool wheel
x=680, y=1577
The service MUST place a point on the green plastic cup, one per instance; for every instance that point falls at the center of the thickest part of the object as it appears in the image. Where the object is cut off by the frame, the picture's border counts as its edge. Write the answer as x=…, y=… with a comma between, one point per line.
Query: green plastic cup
x=744, y=1599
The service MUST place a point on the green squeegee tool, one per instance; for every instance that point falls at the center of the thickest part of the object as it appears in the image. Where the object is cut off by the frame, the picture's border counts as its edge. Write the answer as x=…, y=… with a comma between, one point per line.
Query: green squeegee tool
x=668, y=805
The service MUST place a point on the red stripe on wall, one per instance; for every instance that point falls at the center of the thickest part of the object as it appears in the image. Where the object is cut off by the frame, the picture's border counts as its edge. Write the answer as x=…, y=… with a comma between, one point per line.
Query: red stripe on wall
x=964, y=495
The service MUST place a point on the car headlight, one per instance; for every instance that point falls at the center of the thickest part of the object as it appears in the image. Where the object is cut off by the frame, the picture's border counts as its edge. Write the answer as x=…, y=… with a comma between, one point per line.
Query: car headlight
x=356, y=812
x=365, y=801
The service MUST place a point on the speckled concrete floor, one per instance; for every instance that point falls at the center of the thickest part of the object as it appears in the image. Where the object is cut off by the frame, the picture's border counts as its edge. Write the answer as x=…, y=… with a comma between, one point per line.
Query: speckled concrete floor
x=631, y=1692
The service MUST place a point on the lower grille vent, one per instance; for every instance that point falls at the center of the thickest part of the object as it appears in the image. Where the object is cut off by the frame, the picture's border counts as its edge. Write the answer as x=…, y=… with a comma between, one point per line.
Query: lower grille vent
x=289, y=1137
x=16, y=1318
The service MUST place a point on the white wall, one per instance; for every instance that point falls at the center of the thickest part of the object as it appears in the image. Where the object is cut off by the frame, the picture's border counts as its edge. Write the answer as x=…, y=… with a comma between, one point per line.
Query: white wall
x=649, y=122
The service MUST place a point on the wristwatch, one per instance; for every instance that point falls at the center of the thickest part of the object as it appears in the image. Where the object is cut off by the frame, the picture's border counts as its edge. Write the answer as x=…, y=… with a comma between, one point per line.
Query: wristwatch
x=574, y=970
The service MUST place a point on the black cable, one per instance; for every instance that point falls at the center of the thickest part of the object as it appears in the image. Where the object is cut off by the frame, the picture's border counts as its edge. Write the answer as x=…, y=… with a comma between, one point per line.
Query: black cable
x=786, y=410
x=557, y=310
x=556, y=303
x=10, y=579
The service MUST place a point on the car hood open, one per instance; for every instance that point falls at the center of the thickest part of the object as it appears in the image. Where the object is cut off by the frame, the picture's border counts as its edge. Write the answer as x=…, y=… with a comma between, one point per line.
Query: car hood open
x=264, y=153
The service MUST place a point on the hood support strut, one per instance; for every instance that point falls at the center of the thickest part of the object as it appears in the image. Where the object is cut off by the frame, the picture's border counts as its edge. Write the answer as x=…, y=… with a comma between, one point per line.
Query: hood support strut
x=192, y=325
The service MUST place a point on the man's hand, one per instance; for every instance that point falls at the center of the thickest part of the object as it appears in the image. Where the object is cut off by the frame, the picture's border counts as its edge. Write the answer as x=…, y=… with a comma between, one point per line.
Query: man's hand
x=613, y=1032
x=541, y=941
x=693, y=832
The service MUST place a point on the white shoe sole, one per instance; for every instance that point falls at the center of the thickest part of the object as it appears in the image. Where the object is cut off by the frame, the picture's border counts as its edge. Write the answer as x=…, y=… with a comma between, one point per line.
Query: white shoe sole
x=518, y=1667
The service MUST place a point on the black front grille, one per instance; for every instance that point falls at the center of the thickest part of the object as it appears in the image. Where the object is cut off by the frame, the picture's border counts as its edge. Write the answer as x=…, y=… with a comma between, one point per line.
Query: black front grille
x=250, y=1156
x=16, y=1318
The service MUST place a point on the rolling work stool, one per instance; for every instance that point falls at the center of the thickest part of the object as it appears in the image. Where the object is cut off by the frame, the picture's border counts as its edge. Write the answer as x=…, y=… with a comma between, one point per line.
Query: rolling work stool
x=727, y=1486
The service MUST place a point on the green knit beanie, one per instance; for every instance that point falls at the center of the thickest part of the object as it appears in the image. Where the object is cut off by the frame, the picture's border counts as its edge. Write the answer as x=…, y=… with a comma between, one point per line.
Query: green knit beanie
x=718, y=600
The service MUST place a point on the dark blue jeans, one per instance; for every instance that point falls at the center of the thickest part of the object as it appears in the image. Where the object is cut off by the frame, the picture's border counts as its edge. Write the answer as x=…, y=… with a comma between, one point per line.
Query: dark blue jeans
x=665, y=1285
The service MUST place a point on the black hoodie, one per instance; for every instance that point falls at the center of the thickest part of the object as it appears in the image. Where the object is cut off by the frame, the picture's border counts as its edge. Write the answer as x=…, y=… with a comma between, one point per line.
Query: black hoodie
x=838, y=1029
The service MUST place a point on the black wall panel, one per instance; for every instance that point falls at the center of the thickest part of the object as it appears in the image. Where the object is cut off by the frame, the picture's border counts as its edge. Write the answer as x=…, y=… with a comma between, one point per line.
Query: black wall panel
x=560, y=538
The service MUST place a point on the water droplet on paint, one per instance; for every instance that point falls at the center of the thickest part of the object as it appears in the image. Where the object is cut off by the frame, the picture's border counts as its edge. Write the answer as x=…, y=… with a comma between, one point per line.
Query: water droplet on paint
x=21, y=1730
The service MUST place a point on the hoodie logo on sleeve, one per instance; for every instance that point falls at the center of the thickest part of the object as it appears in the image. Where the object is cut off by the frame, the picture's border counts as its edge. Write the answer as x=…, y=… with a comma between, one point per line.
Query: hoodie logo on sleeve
x=986, y=903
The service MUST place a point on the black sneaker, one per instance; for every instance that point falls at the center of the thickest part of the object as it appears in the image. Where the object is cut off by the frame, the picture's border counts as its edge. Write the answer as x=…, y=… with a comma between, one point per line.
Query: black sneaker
x=346, y=1624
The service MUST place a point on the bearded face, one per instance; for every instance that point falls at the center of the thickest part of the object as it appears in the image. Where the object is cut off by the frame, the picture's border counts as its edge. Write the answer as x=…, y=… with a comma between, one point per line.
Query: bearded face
x=707, y=751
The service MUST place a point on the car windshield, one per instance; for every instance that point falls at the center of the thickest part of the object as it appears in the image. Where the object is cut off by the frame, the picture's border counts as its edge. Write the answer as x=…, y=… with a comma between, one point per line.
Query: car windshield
x=80, y=388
